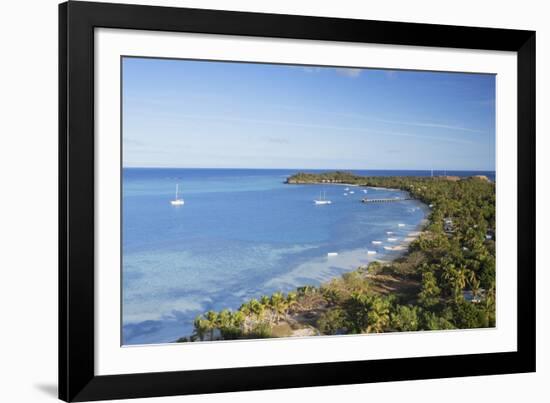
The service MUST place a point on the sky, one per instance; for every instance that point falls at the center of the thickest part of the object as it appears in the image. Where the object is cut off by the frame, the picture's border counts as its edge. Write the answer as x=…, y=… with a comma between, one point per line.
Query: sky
x=206, y=114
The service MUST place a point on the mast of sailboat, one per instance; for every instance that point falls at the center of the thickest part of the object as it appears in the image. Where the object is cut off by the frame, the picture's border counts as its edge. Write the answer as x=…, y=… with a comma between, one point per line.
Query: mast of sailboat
x=177, y=186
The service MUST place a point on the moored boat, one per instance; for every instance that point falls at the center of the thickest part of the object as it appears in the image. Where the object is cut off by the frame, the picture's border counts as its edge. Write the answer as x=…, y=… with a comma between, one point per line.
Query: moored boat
x=322, y=199
x=177, y=201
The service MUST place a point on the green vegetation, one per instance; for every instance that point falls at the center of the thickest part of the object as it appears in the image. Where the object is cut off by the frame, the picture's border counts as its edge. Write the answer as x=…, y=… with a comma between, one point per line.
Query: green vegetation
x=423, y=290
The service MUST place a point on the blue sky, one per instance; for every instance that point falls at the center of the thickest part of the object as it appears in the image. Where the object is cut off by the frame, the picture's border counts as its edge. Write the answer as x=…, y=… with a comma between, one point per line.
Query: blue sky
x=198, y=114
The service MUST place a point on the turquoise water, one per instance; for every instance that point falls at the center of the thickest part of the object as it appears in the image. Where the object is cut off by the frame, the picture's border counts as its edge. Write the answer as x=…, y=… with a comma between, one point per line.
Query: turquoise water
x=241, y=234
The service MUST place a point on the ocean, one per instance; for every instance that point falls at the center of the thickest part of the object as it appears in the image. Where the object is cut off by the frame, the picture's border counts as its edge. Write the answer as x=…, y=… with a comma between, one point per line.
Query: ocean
x=241, y=234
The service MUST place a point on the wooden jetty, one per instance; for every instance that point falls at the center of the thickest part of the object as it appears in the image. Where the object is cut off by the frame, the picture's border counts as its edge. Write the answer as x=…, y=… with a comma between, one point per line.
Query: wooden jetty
x=367, y=200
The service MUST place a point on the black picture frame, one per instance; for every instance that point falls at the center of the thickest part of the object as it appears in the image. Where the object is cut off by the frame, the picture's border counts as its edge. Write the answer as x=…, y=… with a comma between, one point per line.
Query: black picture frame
x=77, y=21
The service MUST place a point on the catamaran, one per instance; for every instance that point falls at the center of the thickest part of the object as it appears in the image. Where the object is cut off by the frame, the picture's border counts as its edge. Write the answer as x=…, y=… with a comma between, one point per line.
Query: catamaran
x=322, y=199
x=177, y=201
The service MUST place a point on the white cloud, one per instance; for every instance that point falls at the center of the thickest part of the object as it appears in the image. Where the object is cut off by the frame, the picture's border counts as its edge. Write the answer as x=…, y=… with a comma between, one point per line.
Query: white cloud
x=277, y=140
x=412, y=123
x=348, y=72
x=311, y=69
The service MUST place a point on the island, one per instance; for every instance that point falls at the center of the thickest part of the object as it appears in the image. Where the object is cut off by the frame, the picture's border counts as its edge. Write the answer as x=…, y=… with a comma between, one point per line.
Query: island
x=445, y=279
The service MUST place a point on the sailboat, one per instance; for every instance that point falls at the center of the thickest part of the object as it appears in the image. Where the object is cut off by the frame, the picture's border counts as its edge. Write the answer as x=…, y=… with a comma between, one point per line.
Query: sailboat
x=322, y=199
x=177, y=201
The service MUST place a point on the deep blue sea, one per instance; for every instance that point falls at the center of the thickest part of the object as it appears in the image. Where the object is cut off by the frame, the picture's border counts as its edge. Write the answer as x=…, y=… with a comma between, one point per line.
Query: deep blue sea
x=241, y=234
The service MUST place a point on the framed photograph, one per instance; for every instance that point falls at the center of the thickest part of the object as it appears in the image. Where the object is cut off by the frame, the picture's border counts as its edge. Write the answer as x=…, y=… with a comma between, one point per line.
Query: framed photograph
x=257, y=201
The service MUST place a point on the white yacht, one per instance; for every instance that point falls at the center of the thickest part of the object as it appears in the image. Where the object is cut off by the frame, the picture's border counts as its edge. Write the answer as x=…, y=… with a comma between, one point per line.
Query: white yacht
x=177, y=201
x=322, y=199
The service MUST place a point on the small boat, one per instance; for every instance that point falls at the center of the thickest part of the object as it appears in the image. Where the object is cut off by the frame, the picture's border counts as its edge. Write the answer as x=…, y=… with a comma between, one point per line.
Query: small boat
x=177, y=201
x=388, y=247
x=371, y=252
x=364, y=190
x=392, y=239
x=389, y=232
x=345, y=194
x=376, y=242
x=351, y=192
x=400, y=225
x=322, y=199
x=330, y=254
x=346, y=189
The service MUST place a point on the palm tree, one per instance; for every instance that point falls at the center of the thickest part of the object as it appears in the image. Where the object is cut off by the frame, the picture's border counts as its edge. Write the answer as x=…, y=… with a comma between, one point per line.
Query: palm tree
x=212, y=318
x=224, y=319
x=378, y=315
x=474, y=283
x=461, y=278
x=237, y=319
x=429, y=295
x=291, y=299
x=257, y=308
x=245, y=309
x=264, y=300
x=201, y=327
x=456, y=279
x=367, y=313
x=279, y=305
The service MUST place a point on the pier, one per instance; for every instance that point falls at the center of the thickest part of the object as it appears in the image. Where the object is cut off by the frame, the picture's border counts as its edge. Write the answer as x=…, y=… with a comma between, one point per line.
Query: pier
x=366, y=200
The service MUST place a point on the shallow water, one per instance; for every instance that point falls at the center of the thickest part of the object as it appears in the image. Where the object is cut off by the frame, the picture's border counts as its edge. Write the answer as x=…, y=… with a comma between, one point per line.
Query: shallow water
x=241, y=234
